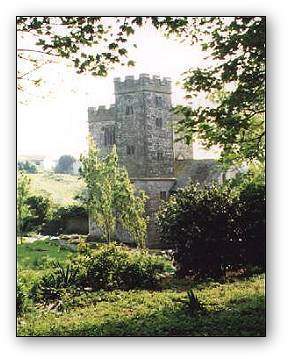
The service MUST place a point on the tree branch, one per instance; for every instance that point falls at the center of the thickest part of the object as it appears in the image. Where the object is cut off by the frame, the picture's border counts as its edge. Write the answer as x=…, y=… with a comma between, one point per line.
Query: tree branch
x=38, y=51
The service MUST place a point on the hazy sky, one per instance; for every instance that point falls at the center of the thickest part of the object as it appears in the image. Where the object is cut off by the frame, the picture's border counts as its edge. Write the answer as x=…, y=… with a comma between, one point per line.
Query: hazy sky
x=54, y=121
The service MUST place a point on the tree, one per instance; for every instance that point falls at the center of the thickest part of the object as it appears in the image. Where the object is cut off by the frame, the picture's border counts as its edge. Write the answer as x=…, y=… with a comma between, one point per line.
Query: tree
x=23, y=209
x=65, y=164
x=111, y=198
x=233, y=84
x=40, y=212
x=27, y=167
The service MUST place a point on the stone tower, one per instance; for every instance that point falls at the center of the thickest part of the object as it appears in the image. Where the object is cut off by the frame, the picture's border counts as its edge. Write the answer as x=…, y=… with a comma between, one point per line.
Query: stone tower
x=140, y=124
x=144, y=133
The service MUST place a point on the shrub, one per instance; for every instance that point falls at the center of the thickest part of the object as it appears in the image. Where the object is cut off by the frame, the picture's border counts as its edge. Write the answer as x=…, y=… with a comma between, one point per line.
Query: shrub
x=53, y=284
x=113, y=266
x=144, y=270
x=109, y=267
x=40, y=212
x=252, y=221
x=211, y=229
x=198, y=224
x=20, y=298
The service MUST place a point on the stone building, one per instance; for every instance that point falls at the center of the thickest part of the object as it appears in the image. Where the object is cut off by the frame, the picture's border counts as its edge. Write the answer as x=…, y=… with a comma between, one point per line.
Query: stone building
x=140, y=123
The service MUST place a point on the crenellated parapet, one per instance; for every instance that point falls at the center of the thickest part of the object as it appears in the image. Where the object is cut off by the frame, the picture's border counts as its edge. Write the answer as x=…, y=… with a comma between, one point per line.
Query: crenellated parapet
x=143, y=83
x=101, y=113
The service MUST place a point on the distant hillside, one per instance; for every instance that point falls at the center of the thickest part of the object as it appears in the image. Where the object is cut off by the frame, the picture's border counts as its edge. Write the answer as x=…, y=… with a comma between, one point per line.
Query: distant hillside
x=61, y=187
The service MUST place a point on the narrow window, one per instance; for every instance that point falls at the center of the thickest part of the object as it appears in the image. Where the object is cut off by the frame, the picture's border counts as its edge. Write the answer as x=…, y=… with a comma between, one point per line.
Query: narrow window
x=109, y=136
x=159, y=155
x=129, y=110
x=158, y=101
x=113, y=136
x=106, y=136
x=159, y=122
x=130, y=150
x=163, y=195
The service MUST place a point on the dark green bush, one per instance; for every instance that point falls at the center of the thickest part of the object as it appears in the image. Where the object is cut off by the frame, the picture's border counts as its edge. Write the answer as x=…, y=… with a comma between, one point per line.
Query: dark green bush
x=144, y=271
x=109, y=267
x=253, y=224
x=113, y=266
x=40, y=212
x=212, y=230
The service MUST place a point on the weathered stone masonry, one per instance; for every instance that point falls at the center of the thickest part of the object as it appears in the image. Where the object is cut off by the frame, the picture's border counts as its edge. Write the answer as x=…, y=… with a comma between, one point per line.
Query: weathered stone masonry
x=140, y=124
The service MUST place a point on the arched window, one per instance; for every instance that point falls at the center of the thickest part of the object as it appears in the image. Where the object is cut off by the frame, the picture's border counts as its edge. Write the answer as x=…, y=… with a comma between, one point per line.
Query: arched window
x=159, y=155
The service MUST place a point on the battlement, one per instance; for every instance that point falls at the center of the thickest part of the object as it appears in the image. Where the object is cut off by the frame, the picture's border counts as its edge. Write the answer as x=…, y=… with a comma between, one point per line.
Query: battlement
x=101, y=113
x=144, y=83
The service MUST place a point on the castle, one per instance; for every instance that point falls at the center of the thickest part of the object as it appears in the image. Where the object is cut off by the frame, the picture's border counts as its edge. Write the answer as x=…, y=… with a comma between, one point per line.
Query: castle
x=140, y=123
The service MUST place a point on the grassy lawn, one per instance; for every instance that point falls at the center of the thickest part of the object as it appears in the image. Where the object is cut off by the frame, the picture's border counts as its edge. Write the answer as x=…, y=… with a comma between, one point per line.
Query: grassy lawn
x=231, y=308
x=61, y=187
x=34, y=255
x=34, y=258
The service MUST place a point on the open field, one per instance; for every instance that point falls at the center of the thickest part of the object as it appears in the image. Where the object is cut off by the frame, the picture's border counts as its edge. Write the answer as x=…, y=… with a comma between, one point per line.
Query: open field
x=61, y=187
x=231, y=308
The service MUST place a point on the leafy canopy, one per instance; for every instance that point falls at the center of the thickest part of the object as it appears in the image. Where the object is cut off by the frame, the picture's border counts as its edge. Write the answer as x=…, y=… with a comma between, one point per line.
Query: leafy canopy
x=233, y=86
x=91, y=44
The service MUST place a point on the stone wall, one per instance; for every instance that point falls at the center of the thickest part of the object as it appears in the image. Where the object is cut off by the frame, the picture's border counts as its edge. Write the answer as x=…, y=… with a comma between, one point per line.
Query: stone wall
x=77, y=225
x=155, y=189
